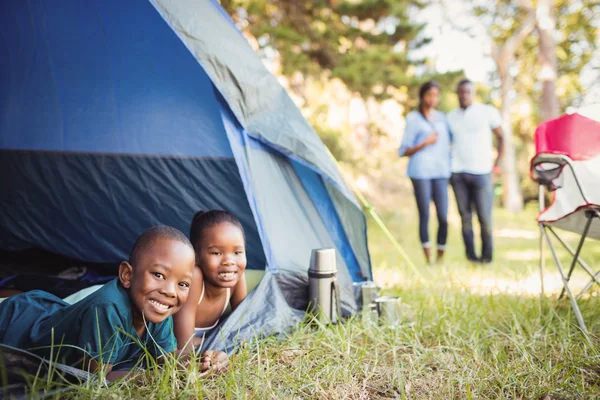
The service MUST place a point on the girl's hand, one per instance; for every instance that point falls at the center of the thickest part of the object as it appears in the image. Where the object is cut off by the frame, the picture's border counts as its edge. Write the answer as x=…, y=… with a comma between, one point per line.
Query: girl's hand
x=431, y=139
x=213, y=360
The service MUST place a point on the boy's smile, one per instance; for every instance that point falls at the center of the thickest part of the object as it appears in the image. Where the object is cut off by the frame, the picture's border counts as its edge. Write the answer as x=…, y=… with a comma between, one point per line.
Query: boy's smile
x=159, y=284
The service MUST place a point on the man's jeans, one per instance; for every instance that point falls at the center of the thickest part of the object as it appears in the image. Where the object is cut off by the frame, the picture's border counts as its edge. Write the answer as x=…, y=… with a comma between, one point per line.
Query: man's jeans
x=475, y=190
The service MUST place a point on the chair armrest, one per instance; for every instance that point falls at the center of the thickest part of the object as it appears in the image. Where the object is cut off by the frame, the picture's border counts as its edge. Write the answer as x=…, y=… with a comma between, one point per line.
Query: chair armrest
x=546, y=169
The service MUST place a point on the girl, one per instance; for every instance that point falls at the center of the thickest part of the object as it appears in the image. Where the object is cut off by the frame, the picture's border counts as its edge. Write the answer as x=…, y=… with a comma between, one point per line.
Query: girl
x=426, y=141
x=218, y=280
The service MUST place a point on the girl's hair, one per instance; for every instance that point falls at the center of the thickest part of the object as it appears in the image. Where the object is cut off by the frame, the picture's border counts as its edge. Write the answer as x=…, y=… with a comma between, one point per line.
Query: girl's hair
x=426, y=87
x=207, y=219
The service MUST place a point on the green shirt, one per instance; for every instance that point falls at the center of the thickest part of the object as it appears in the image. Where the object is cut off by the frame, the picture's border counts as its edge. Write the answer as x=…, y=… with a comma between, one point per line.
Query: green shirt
x=101, y=324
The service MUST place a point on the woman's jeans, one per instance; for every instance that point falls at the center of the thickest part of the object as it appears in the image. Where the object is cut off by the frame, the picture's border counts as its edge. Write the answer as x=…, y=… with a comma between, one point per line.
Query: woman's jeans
x=475, y=191
x=425, y=191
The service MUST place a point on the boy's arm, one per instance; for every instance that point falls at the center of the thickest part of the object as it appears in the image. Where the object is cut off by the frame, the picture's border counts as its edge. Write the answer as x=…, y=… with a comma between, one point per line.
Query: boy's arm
x=100, y=330
x=110, y=374
x=240, y=291
x=184, y=321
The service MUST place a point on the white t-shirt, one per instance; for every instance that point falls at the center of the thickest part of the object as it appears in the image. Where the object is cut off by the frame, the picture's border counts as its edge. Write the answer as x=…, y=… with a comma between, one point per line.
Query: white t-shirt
x=472, y=144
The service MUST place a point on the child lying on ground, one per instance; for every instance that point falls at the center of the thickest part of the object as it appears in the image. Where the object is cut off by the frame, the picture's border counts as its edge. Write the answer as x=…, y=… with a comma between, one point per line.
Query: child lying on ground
x=218, y=281
x=108, y=324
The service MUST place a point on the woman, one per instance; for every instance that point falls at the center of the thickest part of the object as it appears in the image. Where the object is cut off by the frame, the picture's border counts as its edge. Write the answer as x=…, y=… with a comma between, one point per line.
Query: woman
x=427, y=142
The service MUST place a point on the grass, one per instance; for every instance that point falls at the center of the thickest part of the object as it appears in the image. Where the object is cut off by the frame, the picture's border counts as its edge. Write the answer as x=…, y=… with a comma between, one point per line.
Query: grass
x=472, y=332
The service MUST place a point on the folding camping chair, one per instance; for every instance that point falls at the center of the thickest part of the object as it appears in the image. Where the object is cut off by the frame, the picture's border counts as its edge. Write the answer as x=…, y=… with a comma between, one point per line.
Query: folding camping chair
x=567, y=162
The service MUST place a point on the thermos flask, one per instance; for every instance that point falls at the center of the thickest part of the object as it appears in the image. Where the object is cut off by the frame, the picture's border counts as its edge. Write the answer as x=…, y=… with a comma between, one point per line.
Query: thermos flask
x=323, y=290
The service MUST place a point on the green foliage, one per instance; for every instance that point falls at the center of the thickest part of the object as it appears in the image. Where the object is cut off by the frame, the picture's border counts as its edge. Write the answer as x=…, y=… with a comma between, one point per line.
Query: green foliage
x=335, y=141
x=366, y=43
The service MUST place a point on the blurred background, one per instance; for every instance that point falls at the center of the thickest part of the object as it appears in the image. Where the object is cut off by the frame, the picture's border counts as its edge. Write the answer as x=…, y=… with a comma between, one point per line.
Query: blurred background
x=354, y=68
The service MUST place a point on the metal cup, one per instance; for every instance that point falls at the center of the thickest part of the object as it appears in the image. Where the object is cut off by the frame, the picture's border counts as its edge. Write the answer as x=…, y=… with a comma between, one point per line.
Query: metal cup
x=389, y=309
x=370, y=291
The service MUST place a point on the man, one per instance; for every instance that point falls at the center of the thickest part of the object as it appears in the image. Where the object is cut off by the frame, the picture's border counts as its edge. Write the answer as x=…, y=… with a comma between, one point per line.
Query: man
x=471, y=127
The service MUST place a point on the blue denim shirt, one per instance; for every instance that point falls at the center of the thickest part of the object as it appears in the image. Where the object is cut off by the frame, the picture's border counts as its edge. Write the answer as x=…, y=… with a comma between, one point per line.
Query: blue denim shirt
x=433, y=161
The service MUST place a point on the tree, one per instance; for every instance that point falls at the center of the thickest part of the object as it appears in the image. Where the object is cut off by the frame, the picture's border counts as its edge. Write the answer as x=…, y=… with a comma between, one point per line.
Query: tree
x=523, y=36
x=365, y=43
x=546, y=28
x=504, y=45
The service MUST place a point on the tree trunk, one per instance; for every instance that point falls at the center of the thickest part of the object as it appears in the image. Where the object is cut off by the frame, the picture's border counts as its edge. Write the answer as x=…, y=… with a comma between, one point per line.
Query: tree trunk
x=512, y=198
x=504, y=55
x=546, y=26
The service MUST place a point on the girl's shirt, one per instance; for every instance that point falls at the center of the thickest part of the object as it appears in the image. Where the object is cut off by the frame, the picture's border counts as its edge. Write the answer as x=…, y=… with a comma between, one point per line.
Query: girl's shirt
x=433, y=161
x=202, y=330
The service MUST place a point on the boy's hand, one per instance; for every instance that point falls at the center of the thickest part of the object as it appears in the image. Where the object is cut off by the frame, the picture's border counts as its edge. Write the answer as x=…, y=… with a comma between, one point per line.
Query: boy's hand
x=214, y=360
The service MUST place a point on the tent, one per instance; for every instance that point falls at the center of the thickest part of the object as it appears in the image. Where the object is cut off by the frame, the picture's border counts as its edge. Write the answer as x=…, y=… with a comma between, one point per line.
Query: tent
x=117, y=116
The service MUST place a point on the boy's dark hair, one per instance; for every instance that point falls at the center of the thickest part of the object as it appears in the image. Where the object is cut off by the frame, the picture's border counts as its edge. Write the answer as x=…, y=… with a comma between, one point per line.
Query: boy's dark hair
x=464, y=82
x=426, y=87
x=207, y=219
x=146, y=239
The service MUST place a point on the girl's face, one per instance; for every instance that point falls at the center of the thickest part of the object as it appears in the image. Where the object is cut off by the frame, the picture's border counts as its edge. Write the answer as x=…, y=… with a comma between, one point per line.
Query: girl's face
x=431, y=98
x=221, y=254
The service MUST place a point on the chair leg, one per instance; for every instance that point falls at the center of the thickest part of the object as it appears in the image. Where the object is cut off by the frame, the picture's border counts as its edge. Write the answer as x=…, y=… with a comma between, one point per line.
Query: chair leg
x=574, y=304
x=576, y=253
x=542, y=257
x=595, y=276
x=542, y=227
x=589, y=285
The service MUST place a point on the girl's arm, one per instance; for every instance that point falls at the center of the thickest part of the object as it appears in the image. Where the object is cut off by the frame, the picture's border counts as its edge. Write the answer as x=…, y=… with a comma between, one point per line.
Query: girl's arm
x=240, y=291
x=409, y=144
x=184, y=321
x=431, y=139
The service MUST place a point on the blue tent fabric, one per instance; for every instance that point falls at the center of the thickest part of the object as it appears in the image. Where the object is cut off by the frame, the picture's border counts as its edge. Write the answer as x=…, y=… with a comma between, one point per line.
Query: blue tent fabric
x=81, y=87
x=258, y=101
x=318, y=193
x=117, y=116
x=92, y=207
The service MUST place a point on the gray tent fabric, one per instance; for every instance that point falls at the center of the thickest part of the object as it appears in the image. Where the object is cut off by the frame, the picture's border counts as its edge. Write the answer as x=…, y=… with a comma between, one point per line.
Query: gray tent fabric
x=263, y=313
x=258, y=101
x=292, y=247
x=261, y=105
x=355, y=225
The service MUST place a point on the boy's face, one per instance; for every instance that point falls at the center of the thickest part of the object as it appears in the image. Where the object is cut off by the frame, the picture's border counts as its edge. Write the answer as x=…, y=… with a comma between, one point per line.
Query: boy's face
x=160, y=282
x=222, y=256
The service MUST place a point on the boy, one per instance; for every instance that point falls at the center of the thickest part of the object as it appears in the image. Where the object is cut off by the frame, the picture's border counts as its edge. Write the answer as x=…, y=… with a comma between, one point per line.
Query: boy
x=109, y=325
